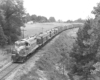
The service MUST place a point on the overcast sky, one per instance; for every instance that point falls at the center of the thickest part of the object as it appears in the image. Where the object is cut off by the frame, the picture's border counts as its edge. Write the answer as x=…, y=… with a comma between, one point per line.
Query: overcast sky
x=61, y=9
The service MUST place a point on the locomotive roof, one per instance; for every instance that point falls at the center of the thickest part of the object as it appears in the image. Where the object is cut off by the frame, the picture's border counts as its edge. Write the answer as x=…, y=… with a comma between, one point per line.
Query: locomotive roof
x=29, y=39
x=20, y=41
x=43, y=34
x=26, y=39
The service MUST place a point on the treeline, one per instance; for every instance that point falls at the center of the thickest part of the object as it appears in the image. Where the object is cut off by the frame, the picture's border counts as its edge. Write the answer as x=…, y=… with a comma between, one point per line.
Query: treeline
x=36, y=18
x=86, y=50
x=75, y=21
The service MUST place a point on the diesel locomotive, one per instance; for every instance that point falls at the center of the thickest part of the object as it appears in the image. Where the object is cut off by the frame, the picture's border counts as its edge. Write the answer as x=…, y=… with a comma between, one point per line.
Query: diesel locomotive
x=26, y=46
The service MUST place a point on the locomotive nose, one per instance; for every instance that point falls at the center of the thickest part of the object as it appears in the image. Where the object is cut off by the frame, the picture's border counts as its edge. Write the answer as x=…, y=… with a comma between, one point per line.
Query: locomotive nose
x=14, y=55
x=14, y=52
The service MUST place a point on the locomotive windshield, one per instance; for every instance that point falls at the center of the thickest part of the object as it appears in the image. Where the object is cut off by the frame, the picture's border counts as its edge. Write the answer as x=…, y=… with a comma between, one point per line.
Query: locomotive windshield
x=19, y=44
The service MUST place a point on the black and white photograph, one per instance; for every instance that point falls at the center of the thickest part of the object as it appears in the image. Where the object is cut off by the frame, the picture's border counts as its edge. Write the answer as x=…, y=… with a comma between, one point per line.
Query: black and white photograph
x=49, y=39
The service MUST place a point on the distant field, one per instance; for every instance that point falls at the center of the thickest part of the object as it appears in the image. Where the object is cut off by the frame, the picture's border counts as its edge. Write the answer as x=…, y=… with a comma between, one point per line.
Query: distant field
x=32, y=29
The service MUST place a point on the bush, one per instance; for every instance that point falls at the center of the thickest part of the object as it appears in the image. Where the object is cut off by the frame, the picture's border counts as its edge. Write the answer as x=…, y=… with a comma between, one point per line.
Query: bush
x=84, y=52
x=3, y=39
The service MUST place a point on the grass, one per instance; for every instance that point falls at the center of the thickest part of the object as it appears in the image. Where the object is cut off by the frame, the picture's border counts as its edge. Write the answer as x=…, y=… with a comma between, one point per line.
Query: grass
x=32, y=29
x=30, y=75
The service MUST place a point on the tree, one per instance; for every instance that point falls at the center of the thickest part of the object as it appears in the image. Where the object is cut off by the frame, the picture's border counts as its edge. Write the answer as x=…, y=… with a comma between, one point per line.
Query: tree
x=80, y=20
x=96, y=10
x=52, y=19
x=13, y=12
x=69, y=21
x=42, y=19
x=85, y=50
x=34, y=18
x=27, y=17
x=3, y=39
x=39, y=18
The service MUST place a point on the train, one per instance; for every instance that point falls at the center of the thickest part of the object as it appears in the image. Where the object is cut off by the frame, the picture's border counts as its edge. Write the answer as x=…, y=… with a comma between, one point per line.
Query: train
x=26, y=46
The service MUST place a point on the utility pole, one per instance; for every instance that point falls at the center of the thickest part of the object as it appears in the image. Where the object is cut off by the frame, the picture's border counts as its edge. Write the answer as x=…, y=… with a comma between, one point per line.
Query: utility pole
x=23, y=30
x=42, y=29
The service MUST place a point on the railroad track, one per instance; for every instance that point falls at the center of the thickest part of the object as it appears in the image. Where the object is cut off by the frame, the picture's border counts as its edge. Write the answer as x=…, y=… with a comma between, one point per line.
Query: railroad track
x=8, y=70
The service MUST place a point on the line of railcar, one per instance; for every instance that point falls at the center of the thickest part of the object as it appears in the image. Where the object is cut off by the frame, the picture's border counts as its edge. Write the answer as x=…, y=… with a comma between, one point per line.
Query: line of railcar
x=26, y=46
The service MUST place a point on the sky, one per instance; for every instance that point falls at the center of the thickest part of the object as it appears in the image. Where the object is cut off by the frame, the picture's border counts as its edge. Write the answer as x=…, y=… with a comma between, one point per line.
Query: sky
x=61, y=9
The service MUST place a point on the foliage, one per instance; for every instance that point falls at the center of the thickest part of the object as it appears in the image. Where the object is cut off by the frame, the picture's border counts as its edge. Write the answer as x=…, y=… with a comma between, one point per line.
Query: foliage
x=12, y=18
x=27, y=17
x=69, y=21
x=3, y=39
x=80, y=20
x=41, y=19
x=84, y=52
x=52, y=19
x=96, y=10
x=76, y=21
x=35, y=18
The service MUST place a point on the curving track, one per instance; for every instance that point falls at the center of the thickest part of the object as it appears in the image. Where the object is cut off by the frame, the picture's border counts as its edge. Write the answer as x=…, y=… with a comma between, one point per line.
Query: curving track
x=8, y=70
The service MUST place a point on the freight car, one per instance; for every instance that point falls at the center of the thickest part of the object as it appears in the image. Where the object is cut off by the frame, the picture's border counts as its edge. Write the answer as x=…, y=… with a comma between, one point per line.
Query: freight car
x=26, y=46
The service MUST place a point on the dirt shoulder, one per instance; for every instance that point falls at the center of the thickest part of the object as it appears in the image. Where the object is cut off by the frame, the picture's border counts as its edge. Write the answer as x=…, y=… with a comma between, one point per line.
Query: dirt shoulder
x=5, y=55
x=46, y=64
